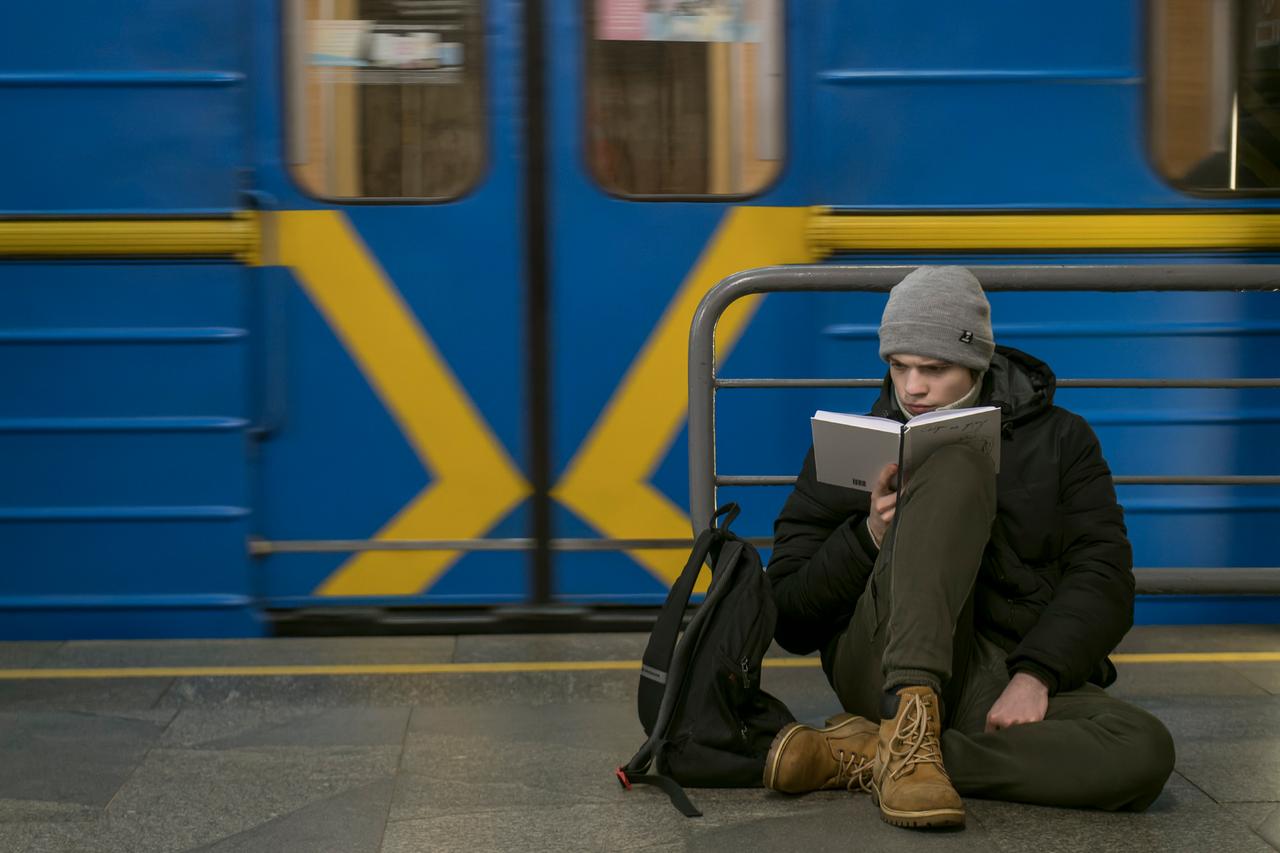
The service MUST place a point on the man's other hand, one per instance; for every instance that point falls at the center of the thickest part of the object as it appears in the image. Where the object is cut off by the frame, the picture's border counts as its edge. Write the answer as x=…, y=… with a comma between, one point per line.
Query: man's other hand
x=884, y=501
x=1024, y=700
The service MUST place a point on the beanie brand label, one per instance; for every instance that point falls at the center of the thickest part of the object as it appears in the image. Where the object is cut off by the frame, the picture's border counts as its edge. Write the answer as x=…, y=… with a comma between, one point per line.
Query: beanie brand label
x=966, y=337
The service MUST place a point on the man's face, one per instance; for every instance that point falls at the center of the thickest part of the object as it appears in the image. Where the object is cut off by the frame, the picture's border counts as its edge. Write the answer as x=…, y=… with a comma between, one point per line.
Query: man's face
x=924, y=384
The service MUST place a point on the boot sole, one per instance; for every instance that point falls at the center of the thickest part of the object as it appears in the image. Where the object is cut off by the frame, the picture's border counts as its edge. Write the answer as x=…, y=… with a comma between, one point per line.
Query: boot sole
x=927, y=818
x=933, y=818
x=771, y=760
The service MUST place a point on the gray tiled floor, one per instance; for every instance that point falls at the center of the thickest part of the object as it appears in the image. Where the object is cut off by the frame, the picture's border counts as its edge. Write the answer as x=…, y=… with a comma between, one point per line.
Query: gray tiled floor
x=521, y=760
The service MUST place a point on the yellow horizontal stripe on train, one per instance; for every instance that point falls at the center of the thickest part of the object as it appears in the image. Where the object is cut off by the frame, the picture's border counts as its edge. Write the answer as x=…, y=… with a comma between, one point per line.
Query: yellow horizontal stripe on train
x=237, y=237
x=513, y=667
x=829, y=232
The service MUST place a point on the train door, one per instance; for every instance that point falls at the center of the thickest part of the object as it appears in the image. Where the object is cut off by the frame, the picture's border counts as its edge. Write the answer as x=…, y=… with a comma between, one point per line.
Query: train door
x=392, y=384
x=487, y=240
x=668, y=169
x=490, y=232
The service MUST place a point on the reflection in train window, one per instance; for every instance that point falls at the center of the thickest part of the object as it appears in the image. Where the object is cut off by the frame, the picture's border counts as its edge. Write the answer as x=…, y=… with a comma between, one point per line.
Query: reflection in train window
x=684, y=97
x=1215, y=93
x=386, y=97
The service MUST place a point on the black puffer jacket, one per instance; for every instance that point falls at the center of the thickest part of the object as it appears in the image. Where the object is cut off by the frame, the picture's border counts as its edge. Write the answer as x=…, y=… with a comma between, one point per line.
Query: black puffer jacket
x=1055, y=588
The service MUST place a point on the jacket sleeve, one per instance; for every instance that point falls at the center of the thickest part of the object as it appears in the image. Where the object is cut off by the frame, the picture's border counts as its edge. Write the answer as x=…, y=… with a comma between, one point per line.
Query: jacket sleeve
x=1092, y=604
x=822, y=557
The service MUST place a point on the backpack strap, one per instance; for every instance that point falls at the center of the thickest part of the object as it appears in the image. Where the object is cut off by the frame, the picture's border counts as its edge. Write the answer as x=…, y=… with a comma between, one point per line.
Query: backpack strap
x=672, y=667
x=656, y=664
x=679, y=798
x=689, y=642
x=731, y=509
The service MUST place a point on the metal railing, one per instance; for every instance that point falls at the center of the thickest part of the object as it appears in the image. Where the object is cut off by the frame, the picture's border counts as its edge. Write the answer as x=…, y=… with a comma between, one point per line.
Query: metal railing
x=704, y=383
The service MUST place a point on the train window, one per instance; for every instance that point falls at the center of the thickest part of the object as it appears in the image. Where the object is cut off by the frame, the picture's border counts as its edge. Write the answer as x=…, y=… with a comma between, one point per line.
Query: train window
x=386, y=97
x=684, y=97
x=1215, y=94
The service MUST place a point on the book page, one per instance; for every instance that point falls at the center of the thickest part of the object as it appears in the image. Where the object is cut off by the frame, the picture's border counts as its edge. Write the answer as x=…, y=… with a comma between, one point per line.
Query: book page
x=864, y=421
x=852, y=450
x=979, y=428
x=948, y=414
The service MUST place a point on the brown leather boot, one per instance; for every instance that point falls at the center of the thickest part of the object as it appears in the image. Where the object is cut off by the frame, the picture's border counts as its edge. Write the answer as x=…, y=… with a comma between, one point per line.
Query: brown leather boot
x=803, y=758
x=909, y=782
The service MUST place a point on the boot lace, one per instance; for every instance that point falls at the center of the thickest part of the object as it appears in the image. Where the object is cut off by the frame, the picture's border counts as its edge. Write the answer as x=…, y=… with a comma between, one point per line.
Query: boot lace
x=855, y=770
x=913, y=743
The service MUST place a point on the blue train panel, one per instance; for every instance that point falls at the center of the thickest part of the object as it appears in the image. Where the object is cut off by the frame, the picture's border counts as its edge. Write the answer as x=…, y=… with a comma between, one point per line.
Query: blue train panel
x=127, y=107
x=980, y=104
x=133, y=572
x=126, y=401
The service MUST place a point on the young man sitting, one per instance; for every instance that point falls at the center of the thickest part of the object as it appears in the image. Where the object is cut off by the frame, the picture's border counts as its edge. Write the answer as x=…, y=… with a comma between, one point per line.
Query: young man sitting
x=965, y=619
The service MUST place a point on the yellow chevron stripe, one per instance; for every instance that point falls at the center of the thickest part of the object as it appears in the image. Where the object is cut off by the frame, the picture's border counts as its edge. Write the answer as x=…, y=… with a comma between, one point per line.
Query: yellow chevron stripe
x=855, y=232
x=475, y=483
x=480, y=668
x=606, y=483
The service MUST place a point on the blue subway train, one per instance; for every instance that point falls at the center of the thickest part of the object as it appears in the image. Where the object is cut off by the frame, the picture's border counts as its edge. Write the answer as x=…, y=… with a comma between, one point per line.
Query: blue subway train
x=379, y=310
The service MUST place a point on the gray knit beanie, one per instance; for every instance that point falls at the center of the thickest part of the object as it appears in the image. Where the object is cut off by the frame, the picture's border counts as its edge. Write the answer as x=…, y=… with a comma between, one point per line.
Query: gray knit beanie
x=939, y=312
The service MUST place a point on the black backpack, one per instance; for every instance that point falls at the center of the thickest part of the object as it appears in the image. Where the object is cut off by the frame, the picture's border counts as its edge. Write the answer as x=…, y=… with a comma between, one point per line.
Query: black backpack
x=708, y=721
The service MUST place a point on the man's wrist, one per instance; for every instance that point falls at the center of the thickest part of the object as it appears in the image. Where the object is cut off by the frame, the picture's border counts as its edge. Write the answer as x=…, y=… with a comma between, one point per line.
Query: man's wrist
x=1042, y=673
x=1031, y=679
x=871, y=531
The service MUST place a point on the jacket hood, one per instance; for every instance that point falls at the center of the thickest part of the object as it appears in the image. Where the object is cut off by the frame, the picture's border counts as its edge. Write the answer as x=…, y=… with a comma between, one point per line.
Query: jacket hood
x=1020, y=384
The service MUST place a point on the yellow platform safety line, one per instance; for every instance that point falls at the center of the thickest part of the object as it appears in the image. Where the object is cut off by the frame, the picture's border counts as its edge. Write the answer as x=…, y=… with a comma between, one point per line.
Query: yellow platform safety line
x=481, y=668
x=474, y=483
x=607, y=481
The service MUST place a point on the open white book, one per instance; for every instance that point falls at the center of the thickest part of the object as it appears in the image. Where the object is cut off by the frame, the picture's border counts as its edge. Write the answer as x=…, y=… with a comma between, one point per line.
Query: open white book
x=852, y=450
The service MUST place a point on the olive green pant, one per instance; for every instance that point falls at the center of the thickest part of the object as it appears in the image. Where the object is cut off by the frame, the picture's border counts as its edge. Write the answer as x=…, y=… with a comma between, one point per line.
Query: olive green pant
x=914, y=624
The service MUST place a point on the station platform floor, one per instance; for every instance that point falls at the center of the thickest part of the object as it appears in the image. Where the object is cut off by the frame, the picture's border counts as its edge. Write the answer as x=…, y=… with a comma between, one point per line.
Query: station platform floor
x=508, y=743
